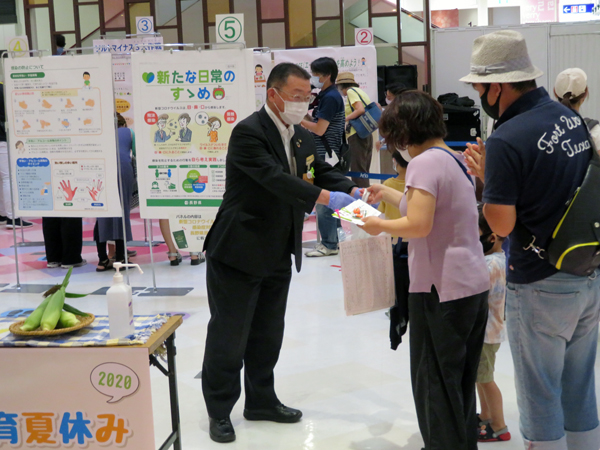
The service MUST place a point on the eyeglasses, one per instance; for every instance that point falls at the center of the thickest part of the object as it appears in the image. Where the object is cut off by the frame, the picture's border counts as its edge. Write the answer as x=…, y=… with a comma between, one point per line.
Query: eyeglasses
x=295, y=98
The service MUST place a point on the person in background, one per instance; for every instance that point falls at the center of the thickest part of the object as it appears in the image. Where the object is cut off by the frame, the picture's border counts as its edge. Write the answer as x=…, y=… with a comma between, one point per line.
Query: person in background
x=491, y=419
x=5, y=200
x=267, y=192
x=196, y=258
x=391, y=91
x=360, y=149
x=449, y=280
x=571, y=90
x=61, y=43
x=551, y=316
x=63, y=240
x=111, y=228
x=327, y=129
x=399, y=312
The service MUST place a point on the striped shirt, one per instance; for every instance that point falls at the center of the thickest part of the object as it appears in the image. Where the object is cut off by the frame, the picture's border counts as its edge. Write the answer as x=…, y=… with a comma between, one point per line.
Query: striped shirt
x=330, y=108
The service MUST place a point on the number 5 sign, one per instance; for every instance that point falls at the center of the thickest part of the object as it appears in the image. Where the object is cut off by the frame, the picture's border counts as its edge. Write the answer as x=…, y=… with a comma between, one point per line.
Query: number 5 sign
x=363, y=36
x=230, y=28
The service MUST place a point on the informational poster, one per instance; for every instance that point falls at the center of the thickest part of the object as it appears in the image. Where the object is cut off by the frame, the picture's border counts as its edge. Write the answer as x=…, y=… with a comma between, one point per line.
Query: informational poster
x=190, y=230
x=121, y=50
x=360, y=60
x=59, y=115
x=262, y=69
x=187, y=104
x=93, y=399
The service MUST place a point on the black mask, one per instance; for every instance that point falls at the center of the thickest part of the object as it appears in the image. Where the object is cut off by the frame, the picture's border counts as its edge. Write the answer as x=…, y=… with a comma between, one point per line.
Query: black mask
x=492, y=111
x=487, y=245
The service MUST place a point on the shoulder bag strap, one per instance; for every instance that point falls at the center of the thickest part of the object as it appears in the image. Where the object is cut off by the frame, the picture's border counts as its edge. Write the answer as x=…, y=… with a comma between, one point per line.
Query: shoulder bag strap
x=525, y=238
x=359, y=96
x=463, y=168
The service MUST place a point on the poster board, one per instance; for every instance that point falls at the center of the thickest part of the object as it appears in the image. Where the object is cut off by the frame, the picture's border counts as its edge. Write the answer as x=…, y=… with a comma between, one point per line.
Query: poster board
x=262, y=70
x=61, y=134
x=94, y=398
x=187, y=104
x=361, y=61
x=121, y=50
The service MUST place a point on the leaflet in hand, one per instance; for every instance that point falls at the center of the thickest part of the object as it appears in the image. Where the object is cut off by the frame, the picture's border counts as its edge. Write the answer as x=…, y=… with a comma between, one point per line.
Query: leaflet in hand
x=355, y=211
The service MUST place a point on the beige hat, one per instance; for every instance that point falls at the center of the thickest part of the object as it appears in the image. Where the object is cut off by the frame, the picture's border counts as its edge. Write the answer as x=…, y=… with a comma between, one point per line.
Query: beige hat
x=572, y=80
x=345, y=77
x=501, y=57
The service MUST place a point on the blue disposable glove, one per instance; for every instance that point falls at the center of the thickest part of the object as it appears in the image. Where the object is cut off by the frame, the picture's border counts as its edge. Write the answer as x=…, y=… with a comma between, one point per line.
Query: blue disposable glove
x=357, y=194
x=337, y=200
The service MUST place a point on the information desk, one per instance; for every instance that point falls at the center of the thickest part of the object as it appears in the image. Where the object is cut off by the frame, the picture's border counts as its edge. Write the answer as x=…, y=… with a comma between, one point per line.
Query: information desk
x=84, y=392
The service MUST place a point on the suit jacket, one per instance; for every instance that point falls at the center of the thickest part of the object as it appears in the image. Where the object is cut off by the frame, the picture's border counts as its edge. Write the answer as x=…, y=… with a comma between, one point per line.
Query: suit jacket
x=185, y=137
x=157, y=137
x=262, y=213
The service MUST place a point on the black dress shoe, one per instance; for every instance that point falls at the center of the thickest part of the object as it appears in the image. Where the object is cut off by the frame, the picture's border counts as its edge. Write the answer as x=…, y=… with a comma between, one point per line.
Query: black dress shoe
x=280, y=414
x=221, y=430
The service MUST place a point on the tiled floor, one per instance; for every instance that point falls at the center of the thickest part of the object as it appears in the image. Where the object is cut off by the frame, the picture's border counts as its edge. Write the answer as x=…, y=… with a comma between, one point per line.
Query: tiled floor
x=354, y=391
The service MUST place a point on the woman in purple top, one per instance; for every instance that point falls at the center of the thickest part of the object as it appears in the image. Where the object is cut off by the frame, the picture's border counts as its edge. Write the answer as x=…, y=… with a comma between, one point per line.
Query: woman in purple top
x=449, y=279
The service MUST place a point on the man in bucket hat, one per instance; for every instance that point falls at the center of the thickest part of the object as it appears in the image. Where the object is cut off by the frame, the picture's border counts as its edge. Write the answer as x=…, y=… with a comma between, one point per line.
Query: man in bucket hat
x=531, y=166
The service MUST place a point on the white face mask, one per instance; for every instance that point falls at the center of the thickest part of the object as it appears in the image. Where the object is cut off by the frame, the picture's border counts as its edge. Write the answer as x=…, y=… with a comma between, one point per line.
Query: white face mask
x=294, y=111
x=405, y=155
x=388, y=101
x=314, y=80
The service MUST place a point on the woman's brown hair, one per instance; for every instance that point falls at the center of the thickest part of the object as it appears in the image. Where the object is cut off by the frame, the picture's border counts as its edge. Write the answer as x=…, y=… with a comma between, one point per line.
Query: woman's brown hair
x=413, y=118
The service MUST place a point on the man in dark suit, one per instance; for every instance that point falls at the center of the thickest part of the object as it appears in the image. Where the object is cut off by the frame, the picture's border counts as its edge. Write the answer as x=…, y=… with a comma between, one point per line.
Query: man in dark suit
x=274, y=176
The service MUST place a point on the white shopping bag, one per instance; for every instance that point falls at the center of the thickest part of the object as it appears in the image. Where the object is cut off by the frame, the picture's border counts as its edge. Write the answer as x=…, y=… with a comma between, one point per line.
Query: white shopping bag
x=367, y=274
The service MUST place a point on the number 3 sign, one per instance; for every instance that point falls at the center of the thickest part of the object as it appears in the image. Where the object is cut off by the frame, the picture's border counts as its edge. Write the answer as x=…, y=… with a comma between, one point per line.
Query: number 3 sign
x=363, y=36
x=230, y=28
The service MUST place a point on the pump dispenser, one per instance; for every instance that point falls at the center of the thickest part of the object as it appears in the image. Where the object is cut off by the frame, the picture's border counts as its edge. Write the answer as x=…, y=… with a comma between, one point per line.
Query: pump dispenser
x=120, y=304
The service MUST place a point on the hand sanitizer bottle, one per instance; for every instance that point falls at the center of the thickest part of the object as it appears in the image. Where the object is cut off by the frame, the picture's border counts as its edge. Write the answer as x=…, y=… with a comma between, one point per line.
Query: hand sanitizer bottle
x=120, y=305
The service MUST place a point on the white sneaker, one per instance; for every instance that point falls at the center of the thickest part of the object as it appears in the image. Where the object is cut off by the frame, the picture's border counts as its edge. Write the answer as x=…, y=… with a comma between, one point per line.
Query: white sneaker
x=321, y=250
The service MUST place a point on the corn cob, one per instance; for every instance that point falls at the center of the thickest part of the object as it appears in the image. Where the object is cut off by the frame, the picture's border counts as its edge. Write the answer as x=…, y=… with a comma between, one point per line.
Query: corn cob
x=52, y=312
x=67, y=320
x=33, y=321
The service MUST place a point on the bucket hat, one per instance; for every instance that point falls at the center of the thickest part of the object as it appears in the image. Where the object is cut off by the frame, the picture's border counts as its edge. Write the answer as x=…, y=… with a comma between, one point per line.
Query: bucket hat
x=345, y=78
x=573, y=80
x=501, y=57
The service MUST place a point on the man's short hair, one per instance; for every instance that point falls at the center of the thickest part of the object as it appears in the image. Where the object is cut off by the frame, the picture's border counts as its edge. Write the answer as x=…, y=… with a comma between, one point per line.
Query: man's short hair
x=413, y=118
x=282, y=71
x=60, y=41
x=164, y=117
x=325, y=66
x=521, y=87
x=185, y=116
x=396, y=88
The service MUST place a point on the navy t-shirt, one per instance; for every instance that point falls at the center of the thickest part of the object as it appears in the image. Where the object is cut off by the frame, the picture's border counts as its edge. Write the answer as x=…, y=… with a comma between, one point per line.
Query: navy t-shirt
x=330, y=108
x=535, y=160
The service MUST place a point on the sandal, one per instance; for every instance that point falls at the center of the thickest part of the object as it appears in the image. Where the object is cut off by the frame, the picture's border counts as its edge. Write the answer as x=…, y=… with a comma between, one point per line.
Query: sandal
x=487, y=434
x=481, y=422
x=104, y=265
x=177, y=256
x=198, y=260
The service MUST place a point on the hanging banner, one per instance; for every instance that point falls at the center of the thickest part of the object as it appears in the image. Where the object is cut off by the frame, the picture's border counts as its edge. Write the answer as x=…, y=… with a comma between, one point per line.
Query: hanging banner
x=121, y=50
x=187, y=103
x=60, y=120
x=262, y=69
x=360, y=60
x=96, y=398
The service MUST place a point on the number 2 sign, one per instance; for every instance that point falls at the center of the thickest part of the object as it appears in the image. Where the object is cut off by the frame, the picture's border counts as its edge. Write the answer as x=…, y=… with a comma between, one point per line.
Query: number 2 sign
x=363, y=36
